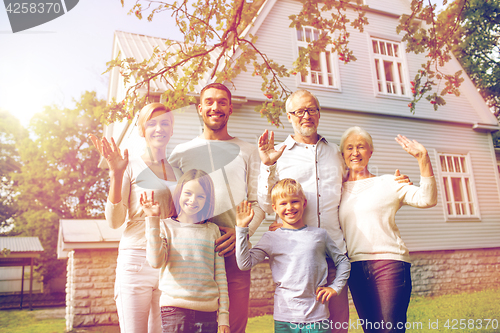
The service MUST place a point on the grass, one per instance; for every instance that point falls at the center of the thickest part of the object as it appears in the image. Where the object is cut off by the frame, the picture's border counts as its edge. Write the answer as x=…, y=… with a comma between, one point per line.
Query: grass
x=25, y=321
x=430, y=314
x=46, y=320
x=473, y=308
x=446, y=312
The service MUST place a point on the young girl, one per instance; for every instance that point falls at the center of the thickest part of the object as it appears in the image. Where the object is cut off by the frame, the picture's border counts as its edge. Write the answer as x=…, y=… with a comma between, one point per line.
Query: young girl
x=192, y=277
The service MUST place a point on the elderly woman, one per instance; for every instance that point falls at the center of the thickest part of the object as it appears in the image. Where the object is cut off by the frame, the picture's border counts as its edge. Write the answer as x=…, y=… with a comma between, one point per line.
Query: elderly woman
x=380, y=280
x=136, y=286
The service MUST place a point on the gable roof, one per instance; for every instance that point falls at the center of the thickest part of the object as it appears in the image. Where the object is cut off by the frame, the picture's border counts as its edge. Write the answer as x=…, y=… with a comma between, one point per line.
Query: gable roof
x=86, y=234
x=259, y=17
x=21, y=244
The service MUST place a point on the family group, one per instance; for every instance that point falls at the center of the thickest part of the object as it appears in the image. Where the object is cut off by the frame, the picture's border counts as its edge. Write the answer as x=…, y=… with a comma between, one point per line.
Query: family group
x=184, y=257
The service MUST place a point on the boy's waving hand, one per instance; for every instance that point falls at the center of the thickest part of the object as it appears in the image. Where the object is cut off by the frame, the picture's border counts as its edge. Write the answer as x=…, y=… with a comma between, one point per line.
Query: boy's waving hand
x=244, y=214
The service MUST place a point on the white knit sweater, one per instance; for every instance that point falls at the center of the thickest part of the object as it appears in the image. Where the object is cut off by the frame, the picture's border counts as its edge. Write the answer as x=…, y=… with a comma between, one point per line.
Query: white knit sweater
x=367, y=215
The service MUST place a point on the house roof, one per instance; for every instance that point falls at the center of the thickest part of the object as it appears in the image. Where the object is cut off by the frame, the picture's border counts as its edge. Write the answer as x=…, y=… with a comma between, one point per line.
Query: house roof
x=22, y=250
x=86, y=234
x=21, y=244
x=141, y=47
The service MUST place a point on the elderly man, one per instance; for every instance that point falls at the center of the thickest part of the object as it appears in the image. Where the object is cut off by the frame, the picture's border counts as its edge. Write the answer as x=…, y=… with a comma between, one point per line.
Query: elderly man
x=318, y=166
x=233, y=165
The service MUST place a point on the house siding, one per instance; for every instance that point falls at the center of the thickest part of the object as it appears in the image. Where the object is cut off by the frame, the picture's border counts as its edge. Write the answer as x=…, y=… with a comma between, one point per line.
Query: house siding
x=276, y=39
x=357, y=88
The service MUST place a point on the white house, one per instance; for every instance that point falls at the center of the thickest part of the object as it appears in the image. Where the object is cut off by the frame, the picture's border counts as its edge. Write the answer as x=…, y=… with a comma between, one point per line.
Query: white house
x=455, y=245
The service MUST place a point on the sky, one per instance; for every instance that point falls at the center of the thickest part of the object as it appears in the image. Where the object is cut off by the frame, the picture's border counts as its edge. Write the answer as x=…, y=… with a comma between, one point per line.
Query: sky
x=54, y=63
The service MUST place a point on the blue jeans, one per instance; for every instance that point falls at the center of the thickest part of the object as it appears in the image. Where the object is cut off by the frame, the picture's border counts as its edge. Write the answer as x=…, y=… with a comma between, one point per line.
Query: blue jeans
x=180, y=320
x=381, y=292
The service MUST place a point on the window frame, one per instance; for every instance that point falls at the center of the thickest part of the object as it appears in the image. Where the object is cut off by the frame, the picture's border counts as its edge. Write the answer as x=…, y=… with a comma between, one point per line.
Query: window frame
x=323, y=62
x=469, y=194
x=401, y=78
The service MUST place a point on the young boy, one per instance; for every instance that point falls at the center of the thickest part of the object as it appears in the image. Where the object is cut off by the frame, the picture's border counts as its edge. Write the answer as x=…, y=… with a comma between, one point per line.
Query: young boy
x=297, y=256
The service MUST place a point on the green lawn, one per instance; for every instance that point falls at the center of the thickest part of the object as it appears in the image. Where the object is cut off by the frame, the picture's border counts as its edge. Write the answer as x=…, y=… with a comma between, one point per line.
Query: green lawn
x=25, y=321
x=440, y=314
x=426, y=314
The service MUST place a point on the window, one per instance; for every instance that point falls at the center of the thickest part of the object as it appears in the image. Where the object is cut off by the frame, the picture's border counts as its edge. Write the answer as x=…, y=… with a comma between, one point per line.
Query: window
x=390, y=71
x=321, y=65
x=459, y=189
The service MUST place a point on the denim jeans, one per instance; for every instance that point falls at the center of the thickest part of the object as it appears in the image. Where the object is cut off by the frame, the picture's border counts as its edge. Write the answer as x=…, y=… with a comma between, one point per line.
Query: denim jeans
x=238, y=285
x=180, y=320
x=137, y=295
x=381, y=292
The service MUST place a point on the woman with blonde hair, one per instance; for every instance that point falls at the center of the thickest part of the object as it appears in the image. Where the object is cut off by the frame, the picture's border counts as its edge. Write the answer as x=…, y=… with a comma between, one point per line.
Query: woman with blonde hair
x=136, y=285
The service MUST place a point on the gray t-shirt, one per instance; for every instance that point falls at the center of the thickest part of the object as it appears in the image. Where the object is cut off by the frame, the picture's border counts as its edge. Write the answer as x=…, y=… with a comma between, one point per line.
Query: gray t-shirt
x=298, y=263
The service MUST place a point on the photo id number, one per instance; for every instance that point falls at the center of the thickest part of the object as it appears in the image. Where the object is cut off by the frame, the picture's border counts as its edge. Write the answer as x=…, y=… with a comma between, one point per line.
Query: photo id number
x=32, y=7
x=461, y=324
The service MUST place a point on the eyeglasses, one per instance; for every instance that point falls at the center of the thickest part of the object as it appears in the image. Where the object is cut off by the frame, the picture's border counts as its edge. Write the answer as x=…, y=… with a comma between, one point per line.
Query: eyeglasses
x=301, y=113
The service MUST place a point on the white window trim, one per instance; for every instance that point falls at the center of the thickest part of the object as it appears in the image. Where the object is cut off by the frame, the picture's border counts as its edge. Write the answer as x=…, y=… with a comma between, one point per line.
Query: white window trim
x=404, y=64
x=334, y=63
x=440, y=174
